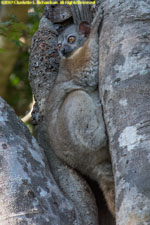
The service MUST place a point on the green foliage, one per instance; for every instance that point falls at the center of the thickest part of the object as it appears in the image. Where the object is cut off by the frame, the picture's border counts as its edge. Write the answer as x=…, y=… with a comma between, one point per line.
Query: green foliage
x=2, y=50
x=13, y=29
x=19, y=94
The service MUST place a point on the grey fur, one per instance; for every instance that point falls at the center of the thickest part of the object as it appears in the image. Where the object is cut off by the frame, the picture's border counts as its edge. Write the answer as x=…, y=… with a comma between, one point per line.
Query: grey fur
x=74, y=115
x=72, y=30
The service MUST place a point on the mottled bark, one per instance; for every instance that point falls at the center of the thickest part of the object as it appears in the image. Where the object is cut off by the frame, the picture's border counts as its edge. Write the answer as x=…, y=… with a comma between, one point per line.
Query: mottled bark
x=125, y=92
x=28, y=192
x=9, y=56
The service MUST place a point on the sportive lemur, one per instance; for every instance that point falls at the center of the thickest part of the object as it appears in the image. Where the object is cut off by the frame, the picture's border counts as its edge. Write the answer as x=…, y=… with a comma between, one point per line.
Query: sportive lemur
x=73, y=114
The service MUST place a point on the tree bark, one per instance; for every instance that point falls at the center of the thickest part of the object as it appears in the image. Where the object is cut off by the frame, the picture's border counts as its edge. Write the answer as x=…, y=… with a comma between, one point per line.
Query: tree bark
x=125, y=92
x=28, y=192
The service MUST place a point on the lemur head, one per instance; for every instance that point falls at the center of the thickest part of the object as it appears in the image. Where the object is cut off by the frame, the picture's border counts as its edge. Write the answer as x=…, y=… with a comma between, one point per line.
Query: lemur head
x=72, y=38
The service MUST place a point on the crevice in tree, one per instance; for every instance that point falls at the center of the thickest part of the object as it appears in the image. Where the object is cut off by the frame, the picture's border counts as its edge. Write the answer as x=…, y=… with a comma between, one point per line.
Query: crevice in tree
x=104, y=216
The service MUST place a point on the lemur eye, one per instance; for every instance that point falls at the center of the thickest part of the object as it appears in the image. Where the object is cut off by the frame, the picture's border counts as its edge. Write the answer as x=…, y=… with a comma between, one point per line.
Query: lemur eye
x=71, y=39
x=59, y=46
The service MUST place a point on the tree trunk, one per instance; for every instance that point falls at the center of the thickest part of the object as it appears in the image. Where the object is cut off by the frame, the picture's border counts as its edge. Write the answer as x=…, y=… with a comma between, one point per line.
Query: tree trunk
x=28, y=192
x=125, y=92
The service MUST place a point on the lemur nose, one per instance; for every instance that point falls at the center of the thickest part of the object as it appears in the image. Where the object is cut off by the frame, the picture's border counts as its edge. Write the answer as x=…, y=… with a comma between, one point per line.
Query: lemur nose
x=63, y=50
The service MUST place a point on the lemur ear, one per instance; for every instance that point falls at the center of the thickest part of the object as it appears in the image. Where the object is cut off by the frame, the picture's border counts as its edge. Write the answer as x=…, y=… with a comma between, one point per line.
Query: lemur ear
x=84, y=28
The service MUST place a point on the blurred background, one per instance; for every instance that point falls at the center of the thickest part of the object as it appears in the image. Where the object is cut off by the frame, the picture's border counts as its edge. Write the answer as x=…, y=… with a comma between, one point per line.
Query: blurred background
x=17, y=26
